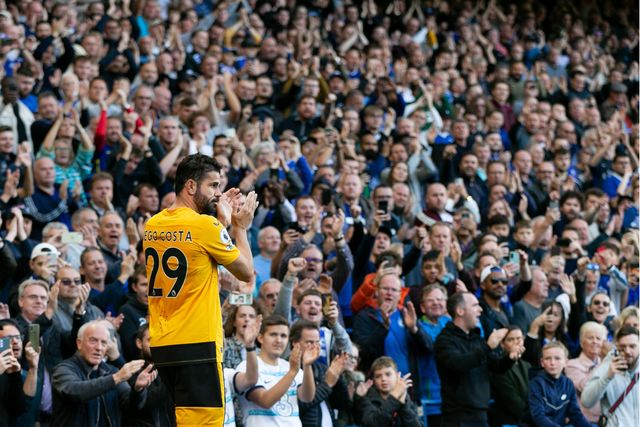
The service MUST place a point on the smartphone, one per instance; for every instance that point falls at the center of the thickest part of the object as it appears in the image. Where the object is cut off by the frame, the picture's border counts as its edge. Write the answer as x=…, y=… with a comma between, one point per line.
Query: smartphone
x=296, y=227
x=458, y=181
x=34, y=336
x=5, y=344
x=74, y=237
x=327, y=197
x=514, y=257
x=554, y=204
x=53, y=258
x=240, y=299
x=274, y=175
x=230, y=133
x=327, y=299
x=383, y=205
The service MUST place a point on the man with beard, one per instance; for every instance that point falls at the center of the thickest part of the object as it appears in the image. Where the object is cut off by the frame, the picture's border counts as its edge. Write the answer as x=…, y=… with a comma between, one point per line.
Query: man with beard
x=612, y=383
x=184, y=245
x=157, y=409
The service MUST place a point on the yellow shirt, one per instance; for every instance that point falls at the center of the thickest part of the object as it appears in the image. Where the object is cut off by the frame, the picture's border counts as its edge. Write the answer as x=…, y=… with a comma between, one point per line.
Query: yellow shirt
x=182, y=251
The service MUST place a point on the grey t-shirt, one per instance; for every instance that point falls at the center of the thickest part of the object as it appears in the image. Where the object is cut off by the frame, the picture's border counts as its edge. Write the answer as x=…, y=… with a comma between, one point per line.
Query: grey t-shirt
x=524, y=314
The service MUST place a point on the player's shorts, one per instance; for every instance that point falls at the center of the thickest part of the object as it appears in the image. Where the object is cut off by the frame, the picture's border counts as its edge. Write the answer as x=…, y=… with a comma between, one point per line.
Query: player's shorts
x=198, y=393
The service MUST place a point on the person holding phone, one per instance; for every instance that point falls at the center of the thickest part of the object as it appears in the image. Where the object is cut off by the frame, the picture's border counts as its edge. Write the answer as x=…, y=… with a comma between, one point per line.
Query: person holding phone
x=615, y=382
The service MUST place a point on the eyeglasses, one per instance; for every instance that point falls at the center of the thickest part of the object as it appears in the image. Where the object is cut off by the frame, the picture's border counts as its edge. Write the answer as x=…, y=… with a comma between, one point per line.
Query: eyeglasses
x=496, y=281
x=13, y=337
x=602, y=303
x=311, y=259
x=69, y=282
x=390, y=290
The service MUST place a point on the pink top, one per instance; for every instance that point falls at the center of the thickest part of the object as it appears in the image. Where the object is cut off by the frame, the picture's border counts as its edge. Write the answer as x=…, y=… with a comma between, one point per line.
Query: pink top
x=579, y=370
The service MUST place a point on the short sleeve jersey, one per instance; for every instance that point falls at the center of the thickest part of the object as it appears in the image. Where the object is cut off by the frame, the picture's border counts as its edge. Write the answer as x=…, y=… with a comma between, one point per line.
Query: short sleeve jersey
x=285, y=412
x=182, y=251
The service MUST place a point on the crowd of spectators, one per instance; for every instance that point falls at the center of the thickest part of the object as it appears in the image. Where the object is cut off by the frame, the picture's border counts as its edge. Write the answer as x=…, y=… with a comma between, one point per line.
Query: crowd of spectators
x=464, y=168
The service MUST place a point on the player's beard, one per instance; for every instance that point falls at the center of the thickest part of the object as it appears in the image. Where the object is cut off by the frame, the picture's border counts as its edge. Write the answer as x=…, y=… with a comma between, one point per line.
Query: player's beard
x=204, y=205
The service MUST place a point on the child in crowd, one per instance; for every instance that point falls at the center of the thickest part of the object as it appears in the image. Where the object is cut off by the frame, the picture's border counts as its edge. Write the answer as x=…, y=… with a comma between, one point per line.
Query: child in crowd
x=387, y=402
x=552, y=396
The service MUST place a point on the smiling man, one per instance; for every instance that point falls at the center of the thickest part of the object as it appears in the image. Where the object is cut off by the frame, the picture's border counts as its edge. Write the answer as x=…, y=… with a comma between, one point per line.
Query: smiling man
x=87, y=389
x=183, y=246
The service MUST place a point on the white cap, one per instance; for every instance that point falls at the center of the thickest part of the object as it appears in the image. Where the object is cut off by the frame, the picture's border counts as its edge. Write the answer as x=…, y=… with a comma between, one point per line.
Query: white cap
x=44, y=249
x=486, y=272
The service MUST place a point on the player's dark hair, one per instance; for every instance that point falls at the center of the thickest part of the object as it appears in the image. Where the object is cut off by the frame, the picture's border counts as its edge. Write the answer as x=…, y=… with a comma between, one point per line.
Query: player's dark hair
x=626, y=330
x=273, y=320
x=456, y=300
x=141, y=330
x=308, y=292
x=194, y=167
x=295, y=334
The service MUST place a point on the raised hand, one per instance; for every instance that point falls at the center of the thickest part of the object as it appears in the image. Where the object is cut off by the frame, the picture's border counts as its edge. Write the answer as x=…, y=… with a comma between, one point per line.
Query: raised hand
x=252, y=331
x=32, y=356
x=363, y=388
x=52, y=304
x=496, y=338
x=127, y=370
x=83, y=296
x=400, y=390
x=332, y=314
x=410, y=317
x=146, y=377
x=310, y=354
x=295, y=358
x=115, y=321
x=8, y=363
x=4, y=311
x=336, y=369
x=296, y=265
x=243, y=217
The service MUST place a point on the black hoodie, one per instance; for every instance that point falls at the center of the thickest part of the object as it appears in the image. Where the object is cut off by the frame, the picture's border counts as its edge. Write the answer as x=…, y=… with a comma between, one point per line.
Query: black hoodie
x=464, y=361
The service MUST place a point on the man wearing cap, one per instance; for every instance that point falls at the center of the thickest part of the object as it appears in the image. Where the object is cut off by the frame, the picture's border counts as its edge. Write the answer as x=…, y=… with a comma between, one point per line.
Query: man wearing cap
x=497, y=313
x=44, y=262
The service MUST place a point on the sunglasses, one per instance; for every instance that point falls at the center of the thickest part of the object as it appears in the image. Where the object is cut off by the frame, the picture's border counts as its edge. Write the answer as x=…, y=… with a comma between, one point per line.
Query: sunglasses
x=309, y=259
x=592, y=266
x=70, y=282
x=496, y=281
x=602, y=303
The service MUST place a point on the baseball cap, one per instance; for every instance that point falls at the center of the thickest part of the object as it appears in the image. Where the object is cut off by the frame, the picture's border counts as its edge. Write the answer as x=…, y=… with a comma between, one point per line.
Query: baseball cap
x=43, y=249
x=337, y=75
x=486, y=272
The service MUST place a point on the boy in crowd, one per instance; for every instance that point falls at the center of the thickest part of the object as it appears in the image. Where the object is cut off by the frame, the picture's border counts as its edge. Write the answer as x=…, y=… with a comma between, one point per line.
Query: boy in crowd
x=552, y=396
x=387, y=403
x=273, y=401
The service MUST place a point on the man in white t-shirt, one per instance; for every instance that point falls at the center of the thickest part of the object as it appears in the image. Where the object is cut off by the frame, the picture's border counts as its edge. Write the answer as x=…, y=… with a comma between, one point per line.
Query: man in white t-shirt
x=237, y=381
x=273, y=401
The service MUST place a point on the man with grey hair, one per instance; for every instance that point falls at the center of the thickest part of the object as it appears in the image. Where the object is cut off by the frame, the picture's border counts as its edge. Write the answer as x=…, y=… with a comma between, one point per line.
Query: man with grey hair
x=37, y=304
x=86, y=389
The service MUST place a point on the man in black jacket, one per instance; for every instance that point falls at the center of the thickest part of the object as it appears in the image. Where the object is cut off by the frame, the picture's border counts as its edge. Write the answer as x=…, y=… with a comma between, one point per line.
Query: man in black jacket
x=464, y=360
x=87, y=391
